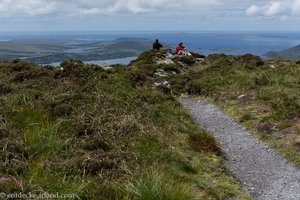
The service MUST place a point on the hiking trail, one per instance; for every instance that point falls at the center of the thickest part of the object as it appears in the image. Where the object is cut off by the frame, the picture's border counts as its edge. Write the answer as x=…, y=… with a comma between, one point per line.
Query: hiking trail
x=264, y=174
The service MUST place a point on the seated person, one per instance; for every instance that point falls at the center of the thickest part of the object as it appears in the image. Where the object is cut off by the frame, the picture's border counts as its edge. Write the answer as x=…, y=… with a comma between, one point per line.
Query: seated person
x=181, y=50
x=157, y=45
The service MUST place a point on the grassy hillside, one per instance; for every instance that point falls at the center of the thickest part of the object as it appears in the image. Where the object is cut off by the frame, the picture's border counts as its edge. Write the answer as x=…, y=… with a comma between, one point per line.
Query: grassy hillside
x=262, y=95
x=104, y=135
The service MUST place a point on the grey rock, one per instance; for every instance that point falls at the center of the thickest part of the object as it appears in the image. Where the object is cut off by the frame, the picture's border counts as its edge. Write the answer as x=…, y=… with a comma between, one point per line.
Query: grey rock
x=166, y=61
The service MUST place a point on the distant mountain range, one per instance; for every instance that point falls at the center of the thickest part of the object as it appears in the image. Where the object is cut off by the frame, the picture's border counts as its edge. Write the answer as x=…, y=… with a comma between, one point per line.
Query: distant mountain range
x=50, y=51
x=291, y=53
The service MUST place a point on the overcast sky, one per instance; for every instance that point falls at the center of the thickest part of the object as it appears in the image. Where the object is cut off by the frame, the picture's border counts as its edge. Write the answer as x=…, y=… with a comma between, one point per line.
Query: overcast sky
x=151, y=15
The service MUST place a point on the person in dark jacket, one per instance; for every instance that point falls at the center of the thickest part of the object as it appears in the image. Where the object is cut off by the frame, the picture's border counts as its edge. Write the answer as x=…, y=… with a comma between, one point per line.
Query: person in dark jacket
x=157, y=45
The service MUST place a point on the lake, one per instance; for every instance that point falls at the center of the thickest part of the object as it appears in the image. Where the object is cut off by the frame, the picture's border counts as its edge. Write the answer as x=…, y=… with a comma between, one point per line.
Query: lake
x=122, y=61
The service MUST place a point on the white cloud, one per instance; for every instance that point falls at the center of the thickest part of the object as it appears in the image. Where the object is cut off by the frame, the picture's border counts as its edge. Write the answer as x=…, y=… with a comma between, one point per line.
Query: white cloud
x=87, y=7
x=274, y=8
x=296, y=7
x=253, y=10
x=32, y=8
x=269, y=10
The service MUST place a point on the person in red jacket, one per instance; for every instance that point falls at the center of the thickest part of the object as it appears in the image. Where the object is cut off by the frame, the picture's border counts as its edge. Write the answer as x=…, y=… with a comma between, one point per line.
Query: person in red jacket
x=180, y=48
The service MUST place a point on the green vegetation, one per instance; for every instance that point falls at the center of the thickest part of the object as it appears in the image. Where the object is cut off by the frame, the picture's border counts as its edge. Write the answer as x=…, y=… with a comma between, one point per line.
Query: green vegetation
x=105, y=135
x=263, y=95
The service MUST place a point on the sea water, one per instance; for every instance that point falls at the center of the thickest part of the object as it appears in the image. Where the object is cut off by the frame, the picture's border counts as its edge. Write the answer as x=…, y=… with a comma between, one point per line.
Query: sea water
x=205, y=42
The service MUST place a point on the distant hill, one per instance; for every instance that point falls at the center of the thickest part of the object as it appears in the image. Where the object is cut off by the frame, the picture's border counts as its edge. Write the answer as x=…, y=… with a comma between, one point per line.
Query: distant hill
x=291, y=53
x=139, y=45
x=51, y=51
x=122, y=39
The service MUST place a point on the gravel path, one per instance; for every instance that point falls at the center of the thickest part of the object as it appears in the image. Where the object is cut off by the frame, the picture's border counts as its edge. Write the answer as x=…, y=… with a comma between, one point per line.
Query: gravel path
x=264, y=173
